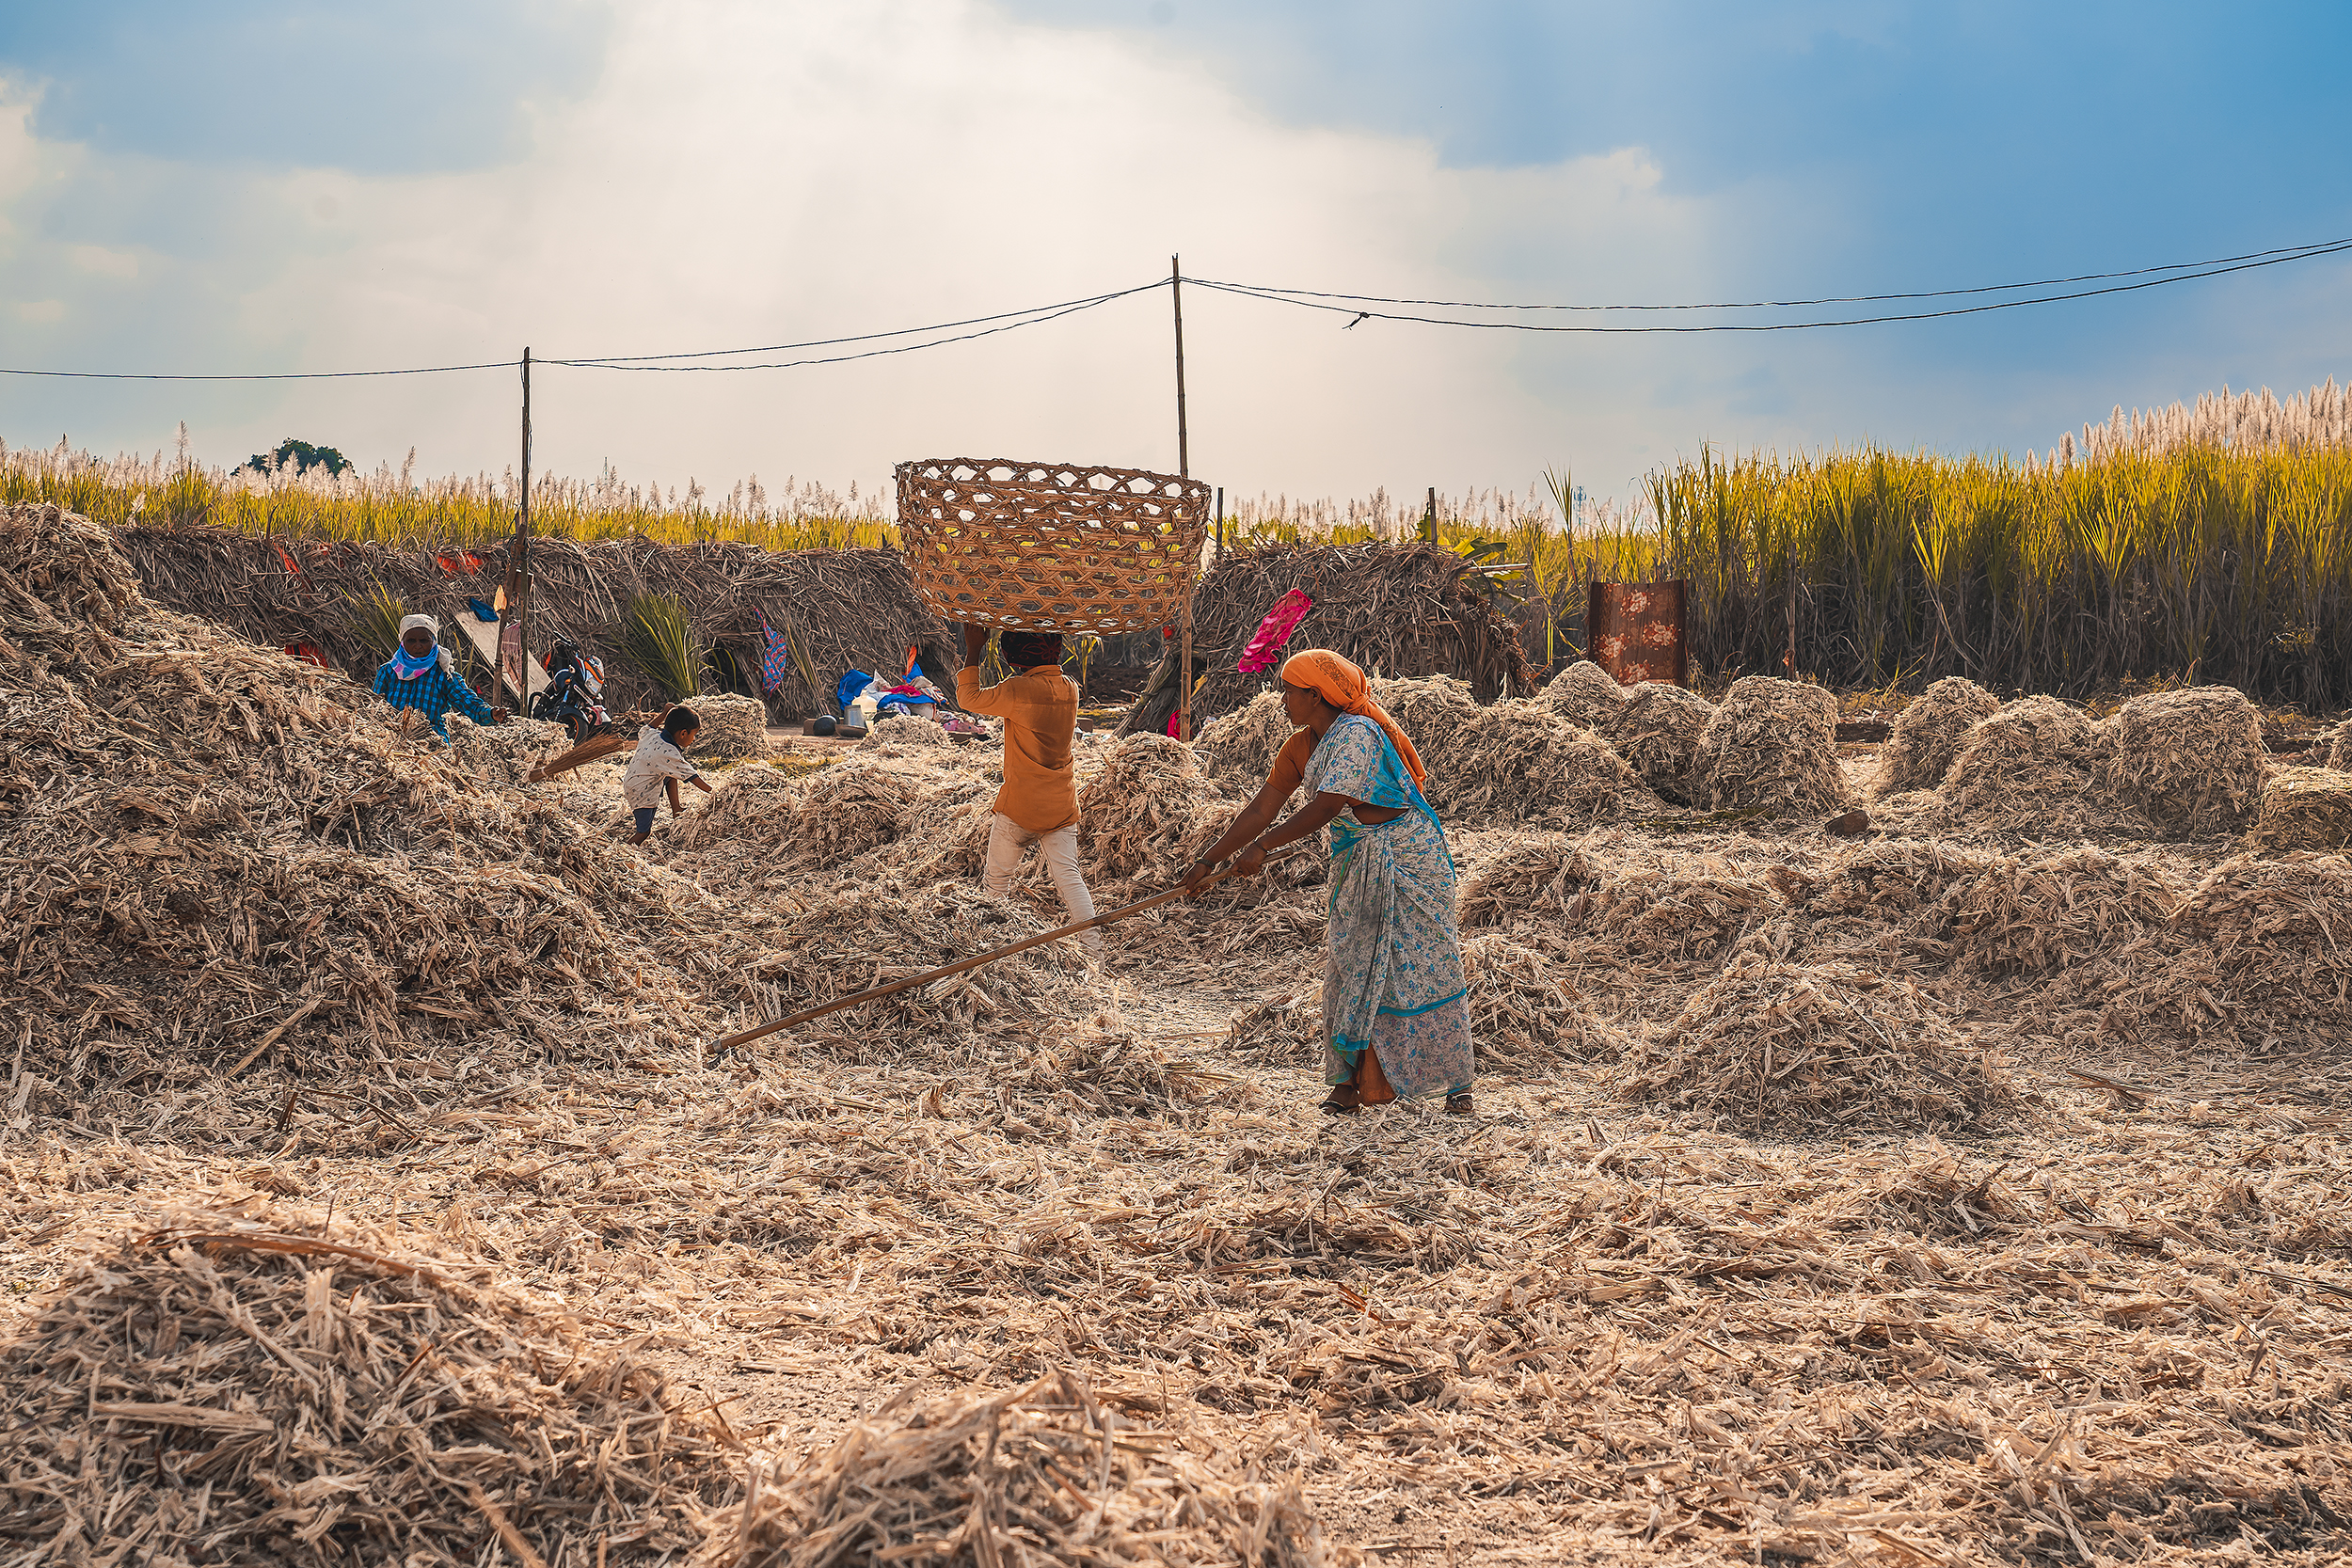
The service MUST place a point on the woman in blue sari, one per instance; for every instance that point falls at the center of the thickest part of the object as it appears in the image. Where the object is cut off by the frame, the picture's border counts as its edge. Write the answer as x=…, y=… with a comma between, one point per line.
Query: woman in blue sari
x=1396, y=1005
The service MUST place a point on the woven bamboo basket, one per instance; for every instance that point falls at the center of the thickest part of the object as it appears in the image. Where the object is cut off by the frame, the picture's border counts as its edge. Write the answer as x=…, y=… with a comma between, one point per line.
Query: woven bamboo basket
x=1067, y=547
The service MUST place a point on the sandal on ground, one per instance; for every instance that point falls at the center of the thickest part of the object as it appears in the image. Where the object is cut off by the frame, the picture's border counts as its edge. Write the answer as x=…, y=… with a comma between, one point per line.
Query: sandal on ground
x=1459, y=1104
x=1335, y=1106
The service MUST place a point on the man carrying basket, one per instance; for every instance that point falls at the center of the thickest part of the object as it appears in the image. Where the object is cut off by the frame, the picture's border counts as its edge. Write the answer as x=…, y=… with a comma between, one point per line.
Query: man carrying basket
x=1038, y=803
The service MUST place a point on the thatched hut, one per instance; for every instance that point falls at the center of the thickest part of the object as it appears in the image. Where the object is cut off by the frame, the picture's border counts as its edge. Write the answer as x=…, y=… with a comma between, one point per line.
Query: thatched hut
x=1401, y=611
x=840, y=609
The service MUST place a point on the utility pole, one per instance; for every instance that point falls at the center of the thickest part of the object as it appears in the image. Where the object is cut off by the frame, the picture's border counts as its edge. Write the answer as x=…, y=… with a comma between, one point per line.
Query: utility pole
x=523, y=541
x=1184, y=470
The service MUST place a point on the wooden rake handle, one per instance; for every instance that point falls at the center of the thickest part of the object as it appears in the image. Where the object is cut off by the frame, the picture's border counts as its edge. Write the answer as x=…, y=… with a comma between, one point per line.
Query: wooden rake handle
x=877, y=992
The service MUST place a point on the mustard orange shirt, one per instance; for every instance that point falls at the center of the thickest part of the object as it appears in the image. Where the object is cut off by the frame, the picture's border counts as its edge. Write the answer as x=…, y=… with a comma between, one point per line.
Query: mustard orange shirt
x=1040, y=707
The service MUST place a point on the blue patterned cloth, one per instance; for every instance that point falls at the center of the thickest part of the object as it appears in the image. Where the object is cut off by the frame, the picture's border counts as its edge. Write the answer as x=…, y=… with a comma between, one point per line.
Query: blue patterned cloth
x=434, y=694
x=1394, y=983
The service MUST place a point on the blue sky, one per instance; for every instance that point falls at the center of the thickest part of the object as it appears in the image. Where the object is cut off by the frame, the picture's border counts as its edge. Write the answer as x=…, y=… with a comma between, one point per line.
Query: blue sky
x=259, y=186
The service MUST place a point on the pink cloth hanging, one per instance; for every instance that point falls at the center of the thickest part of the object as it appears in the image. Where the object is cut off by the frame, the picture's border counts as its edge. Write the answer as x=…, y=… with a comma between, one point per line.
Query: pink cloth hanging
x=1265, y=648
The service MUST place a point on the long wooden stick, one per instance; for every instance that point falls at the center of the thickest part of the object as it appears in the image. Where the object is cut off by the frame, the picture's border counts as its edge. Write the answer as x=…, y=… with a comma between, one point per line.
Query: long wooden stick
x=579, y=756
x=895, y=987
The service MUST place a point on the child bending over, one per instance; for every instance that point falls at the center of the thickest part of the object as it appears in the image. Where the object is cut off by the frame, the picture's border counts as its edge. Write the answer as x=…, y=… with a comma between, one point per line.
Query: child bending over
x=657, y=765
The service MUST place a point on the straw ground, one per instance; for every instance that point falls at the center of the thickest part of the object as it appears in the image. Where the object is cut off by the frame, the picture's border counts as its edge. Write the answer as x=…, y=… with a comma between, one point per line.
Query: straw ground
x=2101, y=1320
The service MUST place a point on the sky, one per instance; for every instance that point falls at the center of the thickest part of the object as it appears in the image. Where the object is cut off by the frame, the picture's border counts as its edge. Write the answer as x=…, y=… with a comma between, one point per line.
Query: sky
x=271, y=186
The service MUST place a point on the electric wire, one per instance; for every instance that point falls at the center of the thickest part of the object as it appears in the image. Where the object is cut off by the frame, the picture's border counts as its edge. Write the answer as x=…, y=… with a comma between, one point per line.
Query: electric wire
x=2293, y=252
x=1256, y=292
x=1062, y=309
x=1013, y=321
x=1054, y=313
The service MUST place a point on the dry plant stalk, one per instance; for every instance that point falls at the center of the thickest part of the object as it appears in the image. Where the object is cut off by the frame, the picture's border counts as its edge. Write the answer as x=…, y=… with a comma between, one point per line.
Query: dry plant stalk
x=1771, y=745
x=1818, y=1052
x=1928, y=735
x=221, y=1389
x=2304, y=808
x=1046, y=1474
x=2192, y=761
x=1584, y=694
x=1661, y=731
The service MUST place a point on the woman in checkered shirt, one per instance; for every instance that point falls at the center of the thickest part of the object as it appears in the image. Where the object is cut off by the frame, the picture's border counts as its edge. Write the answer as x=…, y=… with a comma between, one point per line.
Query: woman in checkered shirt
x=421, y=675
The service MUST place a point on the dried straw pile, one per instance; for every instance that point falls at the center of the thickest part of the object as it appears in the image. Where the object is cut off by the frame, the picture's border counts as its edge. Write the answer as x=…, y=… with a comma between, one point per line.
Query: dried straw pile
x=1148, y=813
x=1524, y=1019
x=242, y=853
x=2053, y=912
x=1101, y=1066
x=1771, y=746
x=1439, y=713
x=870, y=933
x=1819, y=1050
x=1894, y=880
x=2261, y=957
x=1661, y=731
x=908, y=732
x=1694, y=911
x=1505, y=762
x=1513, y=763
x=1046, y=1475
x=768, y=815
x=1584, y=693
x=1885, y=904
x=219, y=1391
x=503, y=753
x=1538, y=876
x=2192, y=762
x=2339, y=747
x=2304, y=808
x=2038, y=766
x=733, y=728
x=1929, y=733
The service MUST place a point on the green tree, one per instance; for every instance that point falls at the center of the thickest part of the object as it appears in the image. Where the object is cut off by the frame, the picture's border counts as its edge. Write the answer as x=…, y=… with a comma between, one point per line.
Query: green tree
x=300, y=456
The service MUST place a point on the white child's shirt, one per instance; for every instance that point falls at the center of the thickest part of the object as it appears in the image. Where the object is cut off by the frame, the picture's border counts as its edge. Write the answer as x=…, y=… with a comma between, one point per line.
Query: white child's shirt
x=656, y=759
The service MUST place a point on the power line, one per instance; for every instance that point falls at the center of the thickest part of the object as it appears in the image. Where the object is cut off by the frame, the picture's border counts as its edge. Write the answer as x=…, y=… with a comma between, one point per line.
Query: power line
x=1054, y=312
x=1286, y=297
x=1013, y=321
x=1064, y=307
x=271, y=375
x=2290, y=253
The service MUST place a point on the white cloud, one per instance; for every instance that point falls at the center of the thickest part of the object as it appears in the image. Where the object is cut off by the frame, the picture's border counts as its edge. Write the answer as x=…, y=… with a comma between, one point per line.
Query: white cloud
x=744, y=173
x=100, y=262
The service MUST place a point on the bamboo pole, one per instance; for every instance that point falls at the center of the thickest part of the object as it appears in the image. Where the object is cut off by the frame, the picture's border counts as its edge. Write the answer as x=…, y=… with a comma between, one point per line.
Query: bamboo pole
x=875, y=993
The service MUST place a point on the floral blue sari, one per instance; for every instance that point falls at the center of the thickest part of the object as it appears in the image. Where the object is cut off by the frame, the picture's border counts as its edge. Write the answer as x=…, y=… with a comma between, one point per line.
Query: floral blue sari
x=1394, y=983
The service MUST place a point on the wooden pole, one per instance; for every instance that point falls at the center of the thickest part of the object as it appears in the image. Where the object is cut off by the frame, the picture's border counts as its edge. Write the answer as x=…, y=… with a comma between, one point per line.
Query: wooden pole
x=1221, y=522
x=1429, y=518
x=1176, y=296
x=522, y=533
x=1792, y=615
x=1184, y=470
x=876, y=993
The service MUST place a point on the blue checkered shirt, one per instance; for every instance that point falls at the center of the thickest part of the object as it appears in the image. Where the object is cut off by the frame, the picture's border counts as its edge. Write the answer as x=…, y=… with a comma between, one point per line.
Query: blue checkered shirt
x=434, y=693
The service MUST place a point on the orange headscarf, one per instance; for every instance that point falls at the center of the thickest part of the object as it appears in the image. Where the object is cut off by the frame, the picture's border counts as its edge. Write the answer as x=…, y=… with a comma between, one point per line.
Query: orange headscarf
x=1343, y=685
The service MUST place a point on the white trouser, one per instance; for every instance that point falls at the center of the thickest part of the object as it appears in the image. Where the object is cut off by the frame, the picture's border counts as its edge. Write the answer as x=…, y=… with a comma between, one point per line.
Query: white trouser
x=1008, y=842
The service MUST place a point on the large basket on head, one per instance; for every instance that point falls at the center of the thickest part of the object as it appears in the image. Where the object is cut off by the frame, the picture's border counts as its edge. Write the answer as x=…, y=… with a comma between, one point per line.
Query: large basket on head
x=1068, y=547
